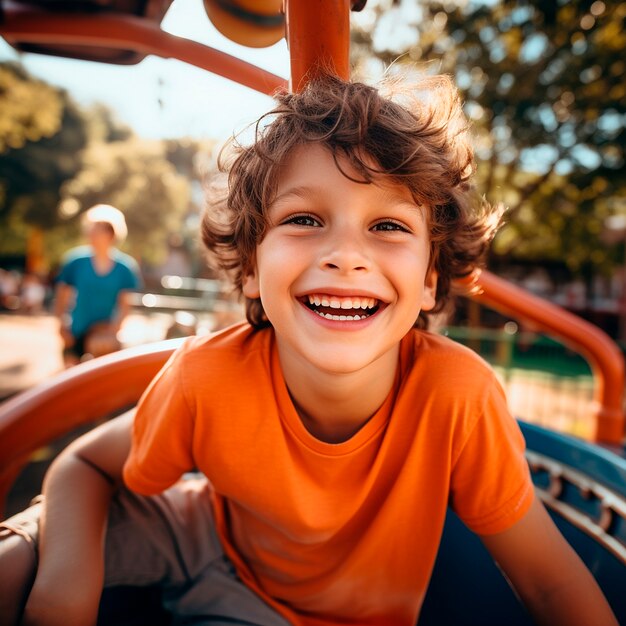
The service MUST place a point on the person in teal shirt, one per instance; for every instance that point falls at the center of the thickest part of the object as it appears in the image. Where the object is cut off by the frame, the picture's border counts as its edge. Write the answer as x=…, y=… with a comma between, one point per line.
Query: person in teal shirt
x=97, y=278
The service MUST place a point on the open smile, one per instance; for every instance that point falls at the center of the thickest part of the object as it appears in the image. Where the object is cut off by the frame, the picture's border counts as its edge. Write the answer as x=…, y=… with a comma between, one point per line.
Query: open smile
x=342, y=308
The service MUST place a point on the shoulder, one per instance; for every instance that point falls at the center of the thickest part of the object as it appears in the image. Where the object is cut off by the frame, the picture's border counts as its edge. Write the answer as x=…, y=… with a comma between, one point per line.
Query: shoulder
x=74, y=263
x=236, y=350
x=125, y=260
x=440, y=357
x=449, y=383
x=77, y=255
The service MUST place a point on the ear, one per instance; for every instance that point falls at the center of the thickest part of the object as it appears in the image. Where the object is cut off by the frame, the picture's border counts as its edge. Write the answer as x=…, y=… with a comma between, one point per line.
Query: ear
x=250, y=286
x=429, y=296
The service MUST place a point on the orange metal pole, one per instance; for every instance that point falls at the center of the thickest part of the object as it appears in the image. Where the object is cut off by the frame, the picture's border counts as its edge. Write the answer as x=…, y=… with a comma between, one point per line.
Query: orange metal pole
x=318, y=36
x=594, y=344
x=35, y=258
x=78, y=396
x=133, y=33
x=51, y=408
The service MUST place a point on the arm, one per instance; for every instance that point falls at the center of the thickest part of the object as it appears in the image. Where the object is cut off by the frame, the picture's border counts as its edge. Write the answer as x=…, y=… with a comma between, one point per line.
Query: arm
x=123, y=309
x=62, y=297
x=132, y=282
x=77, y=489
x=548, y=575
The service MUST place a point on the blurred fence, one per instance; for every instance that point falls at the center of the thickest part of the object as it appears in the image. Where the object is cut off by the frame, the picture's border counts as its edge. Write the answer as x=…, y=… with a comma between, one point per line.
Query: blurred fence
x=546, y=383
x=180, y=306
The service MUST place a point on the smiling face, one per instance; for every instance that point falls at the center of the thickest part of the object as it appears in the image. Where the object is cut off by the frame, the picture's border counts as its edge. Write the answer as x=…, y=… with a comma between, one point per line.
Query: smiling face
x=343, y=269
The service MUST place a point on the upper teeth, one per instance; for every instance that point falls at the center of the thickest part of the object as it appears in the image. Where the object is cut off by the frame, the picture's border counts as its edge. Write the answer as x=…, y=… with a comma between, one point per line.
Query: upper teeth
x=335, y=302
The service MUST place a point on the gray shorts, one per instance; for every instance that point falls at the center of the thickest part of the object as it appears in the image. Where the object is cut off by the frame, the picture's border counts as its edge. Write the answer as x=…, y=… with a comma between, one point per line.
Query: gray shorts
x=170, y=540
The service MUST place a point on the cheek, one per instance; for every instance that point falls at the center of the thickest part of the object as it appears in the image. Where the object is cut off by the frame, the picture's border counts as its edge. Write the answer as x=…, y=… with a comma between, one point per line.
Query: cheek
x=408, y=264
x=268, y=269
x=278, y=258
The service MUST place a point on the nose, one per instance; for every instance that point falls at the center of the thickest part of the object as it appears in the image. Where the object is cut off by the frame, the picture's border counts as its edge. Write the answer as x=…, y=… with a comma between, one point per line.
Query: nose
x=345, y=254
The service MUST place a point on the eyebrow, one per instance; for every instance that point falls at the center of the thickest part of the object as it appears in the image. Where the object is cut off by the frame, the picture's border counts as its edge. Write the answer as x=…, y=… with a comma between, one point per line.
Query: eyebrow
x=392, y=197
x=302, y=191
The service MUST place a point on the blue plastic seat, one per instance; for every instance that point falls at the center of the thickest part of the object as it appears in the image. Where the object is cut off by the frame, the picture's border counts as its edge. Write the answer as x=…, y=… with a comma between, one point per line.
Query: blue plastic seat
x=584, y=488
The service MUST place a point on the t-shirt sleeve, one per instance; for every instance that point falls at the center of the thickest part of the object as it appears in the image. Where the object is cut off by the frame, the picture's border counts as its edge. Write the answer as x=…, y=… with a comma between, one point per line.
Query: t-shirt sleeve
x=491, y=488
x=67, y=274
x=132, y=276
x=161, y=449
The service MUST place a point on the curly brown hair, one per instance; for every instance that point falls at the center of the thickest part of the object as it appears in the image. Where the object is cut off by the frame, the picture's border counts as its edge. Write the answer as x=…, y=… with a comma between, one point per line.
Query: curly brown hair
x=413, y=133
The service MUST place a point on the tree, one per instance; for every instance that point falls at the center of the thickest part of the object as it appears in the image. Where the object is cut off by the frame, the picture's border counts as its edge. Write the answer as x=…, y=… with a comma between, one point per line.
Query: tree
x=135, y=176
x=41, y=147
x=103, y=126
x=29, y=109
x=544, y=86
x=190, y=157
x=58, y=160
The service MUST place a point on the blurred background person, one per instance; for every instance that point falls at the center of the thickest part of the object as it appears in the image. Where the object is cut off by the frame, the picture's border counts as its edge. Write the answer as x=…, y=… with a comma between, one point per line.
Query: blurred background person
x=9, y=290
x=32, y=294
x=93, y=287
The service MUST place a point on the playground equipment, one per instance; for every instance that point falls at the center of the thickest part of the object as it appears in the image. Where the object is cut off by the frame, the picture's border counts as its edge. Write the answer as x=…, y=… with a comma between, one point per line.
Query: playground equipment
x=583, y=485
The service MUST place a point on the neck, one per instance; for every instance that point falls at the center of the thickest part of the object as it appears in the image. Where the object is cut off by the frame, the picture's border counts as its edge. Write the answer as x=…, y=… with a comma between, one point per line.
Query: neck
x=334, y=406
x=100, y=253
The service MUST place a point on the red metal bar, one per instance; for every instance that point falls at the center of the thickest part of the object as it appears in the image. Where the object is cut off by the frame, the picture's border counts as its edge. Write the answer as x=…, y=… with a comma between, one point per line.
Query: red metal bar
x=133, y=33
x=597, y=347
x=318, y=36
x=80, y=395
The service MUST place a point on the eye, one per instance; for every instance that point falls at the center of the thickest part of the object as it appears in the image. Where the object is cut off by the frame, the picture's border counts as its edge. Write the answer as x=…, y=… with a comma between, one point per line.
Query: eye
x=390, y=226
x=302, y=220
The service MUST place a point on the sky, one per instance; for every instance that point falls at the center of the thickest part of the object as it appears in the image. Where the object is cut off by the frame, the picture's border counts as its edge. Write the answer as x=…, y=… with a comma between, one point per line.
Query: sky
x=163, y=97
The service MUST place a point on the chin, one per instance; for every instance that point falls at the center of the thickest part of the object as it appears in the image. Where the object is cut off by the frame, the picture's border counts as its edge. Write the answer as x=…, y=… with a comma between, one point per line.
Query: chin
x=344, y=363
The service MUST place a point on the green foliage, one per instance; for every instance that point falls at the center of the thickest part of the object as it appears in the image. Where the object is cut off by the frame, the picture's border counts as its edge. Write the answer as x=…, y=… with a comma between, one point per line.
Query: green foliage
x=45, y=150
x=136, y=177
x=189, y=156
x=544, y=86
x=29, y=109
x=103, y=126
x=57, y=160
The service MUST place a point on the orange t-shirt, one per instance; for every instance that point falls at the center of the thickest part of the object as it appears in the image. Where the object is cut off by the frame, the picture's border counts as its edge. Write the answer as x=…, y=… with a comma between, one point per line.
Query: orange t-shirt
x=326, y=533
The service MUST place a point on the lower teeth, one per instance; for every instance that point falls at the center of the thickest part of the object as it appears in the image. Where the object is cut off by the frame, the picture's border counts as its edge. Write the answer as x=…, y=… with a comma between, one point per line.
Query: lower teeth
x=341, y=318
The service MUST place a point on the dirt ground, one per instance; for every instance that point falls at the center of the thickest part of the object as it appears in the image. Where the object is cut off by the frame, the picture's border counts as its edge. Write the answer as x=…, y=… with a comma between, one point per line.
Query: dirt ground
x=30, y=351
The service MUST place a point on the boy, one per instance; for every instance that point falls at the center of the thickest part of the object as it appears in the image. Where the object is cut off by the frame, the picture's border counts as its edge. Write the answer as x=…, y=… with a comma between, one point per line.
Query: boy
x=100, y=277
x=333, y=434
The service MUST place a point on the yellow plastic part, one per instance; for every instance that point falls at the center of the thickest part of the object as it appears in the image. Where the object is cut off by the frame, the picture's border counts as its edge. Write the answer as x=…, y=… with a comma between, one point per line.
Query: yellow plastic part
x=254, y=24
